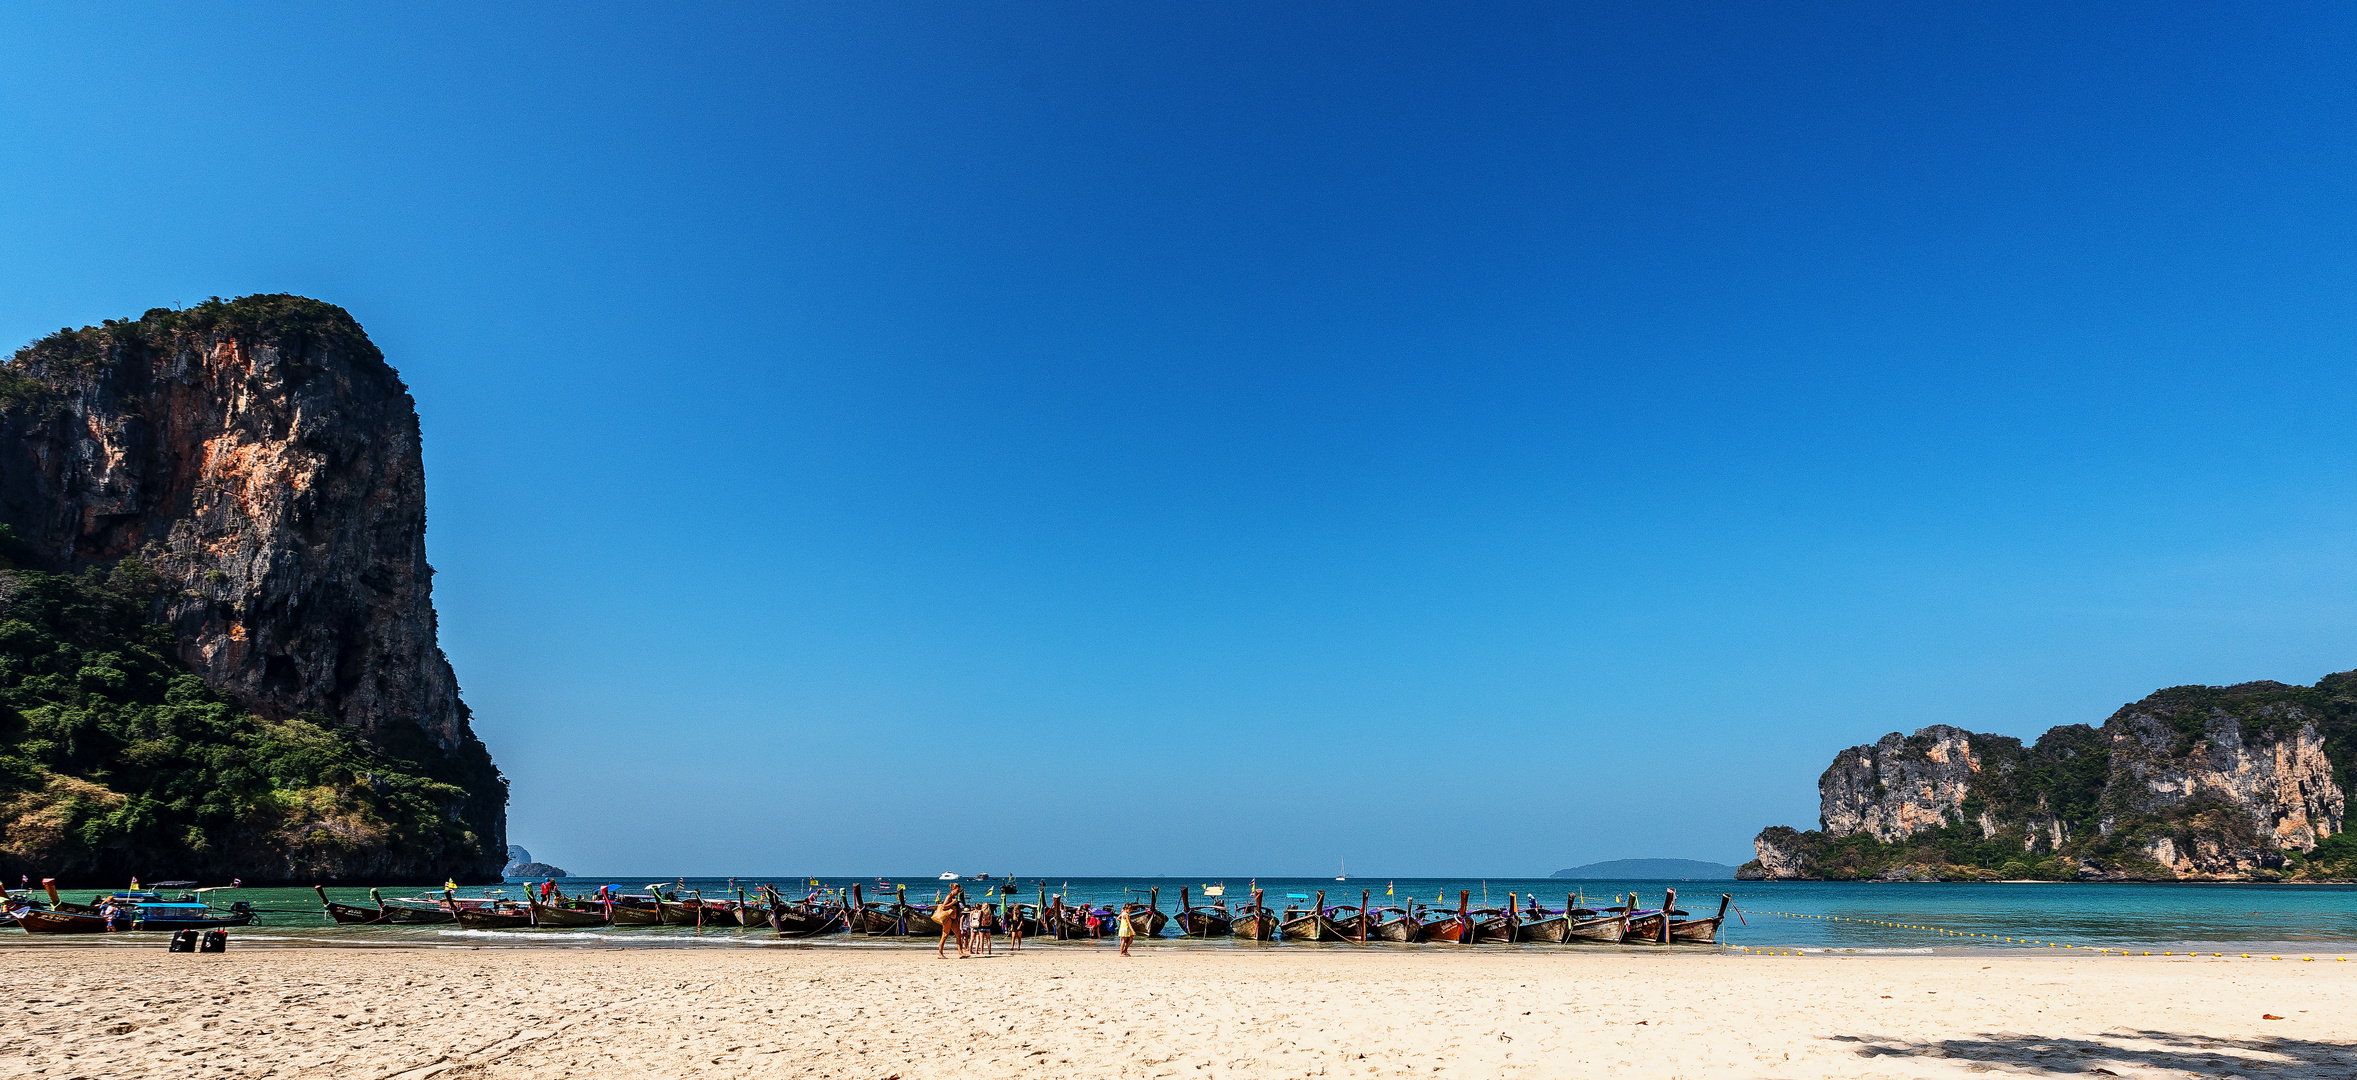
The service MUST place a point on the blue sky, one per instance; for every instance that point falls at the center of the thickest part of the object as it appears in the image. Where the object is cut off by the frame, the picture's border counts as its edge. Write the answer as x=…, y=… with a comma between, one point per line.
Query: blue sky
x=1227, y=438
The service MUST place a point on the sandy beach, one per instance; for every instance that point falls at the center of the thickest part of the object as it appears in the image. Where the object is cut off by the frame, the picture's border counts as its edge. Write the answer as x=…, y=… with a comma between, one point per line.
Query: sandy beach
x=883, y=1013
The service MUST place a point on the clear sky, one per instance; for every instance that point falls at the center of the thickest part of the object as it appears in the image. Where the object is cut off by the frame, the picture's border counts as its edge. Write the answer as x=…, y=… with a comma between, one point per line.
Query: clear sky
x=1216, y=439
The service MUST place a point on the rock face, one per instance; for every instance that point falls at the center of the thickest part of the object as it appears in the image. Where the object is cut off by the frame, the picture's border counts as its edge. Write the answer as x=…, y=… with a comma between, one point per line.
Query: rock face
x=1898, y=786
x=261, y=458
x=2193, y=782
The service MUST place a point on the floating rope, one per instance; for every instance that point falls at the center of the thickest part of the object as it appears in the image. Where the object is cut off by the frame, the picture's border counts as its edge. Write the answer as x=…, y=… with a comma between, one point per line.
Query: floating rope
x=1944, y=931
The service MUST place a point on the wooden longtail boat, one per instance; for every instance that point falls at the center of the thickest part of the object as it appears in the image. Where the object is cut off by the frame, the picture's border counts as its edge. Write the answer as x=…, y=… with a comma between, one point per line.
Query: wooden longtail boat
x=346, y=913
x=1540, y=925
x=1397, y=924
x=1647, y=926
x=1606, y=925
x=1499, y=925
x=49, y=921
x=398, y=915
x=1149, y=920
x=1315, y=925
x=1453, y=929
x=633, y=911
x=549, y=918
x=1256, y=922
x=1201, y=922
x=750, y=912
x=1700, y=931
x=491, y=918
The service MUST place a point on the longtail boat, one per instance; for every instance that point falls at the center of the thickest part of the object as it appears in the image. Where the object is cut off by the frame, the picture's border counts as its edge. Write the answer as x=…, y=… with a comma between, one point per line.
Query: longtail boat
x=750, y=912
x=633, y=911
x=547, y=917
x=1647, y=926
x=1499, y=925
x=514, y=918
x=1541, y=925
x=50, y=921
x=1201, y=922
x=1255, y=922
x=914, y=921
x=1148, y=921
x=1397, y=924
x=1605, y=925
x=805, y=918
x=1315, y=925
x=401, y=915
x=1451, y=928
x=346, y=913
x=692, y=911
x=1700, y=931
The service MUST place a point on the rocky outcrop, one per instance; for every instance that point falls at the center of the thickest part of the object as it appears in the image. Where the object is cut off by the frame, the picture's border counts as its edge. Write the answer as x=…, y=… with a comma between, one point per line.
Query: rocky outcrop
x=2194, y=782
x=1898, y=786
x=262, y=459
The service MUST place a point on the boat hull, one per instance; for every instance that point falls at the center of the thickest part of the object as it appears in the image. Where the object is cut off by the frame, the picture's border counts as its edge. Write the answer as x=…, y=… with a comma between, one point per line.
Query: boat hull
x=1645, y=929
x=346, y=913
x=1550, y=931
x=495, y=920
x=1696, y=931
x=633, y=915
x=45, y=921
x=1255, y=927
x=1202, y=924
x=1608, y=930
x=803, y=922
x=547, y=917
x=1403, y=930
x=1313, y=928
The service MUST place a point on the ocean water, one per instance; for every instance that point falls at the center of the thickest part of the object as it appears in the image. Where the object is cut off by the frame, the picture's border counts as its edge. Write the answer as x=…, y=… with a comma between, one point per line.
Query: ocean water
x=1811, y=916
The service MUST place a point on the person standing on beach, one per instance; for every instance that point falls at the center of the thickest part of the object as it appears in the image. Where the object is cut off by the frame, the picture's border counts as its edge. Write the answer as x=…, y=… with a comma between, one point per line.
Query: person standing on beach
x=978, y=929
x=1123, y=927
x=946, y=913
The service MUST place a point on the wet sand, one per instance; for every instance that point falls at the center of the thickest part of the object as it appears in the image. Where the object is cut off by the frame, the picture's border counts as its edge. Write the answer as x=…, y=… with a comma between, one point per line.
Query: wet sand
x=1081, y=1011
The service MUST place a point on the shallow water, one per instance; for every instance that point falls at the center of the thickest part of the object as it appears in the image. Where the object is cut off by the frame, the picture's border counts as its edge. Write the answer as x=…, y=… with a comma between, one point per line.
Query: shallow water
x=1864, y=918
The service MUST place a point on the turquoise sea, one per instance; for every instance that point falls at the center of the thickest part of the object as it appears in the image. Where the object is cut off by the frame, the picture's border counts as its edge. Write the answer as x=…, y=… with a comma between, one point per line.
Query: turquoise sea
x=1845, y=918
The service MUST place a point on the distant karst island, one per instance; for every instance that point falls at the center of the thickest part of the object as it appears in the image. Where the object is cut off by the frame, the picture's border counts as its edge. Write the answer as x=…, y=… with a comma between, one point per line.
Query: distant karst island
x=217, y=633
x=2193, y=783
x=521, y=866
x=1654, y=869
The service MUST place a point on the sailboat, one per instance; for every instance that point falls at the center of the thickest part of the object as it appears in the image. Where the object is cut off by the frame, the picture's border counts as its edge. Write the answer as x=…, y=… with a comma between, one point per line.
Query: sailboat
x=1345, y=874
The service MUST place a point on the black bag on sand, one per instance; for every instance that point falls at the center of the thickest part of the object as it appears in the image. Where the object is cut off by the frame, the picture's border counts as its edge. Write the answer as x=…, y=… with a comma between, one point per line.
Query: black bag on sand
x=214, y=941
x=183, y=941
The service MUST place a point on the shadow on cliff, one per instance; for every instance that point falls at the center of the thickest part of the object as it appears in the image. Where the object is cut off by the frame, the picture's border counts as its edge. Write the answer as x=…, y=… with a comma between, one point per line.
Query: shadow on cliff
x=2126, y=1053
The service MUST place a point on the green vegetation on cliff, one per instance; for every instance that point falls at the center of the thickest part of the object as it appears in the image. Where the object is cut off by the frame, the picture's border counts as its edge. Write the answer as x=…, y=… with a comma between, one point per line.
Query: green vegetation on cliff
x=113, y=753
x=288, y=320
x=2087, y=803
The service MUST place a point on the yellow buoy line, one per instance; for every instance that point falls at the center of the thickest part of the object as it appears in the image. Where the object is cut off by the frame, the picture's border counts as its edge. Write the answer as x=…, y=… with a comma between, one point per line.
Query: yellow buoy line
x=1945, y=932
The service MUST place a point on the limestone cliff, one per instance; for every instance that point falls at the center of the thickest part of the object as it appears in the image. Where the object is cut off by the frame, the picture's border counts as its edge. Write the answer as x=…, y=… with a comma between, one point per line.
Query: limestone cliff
x=2193, y=782
x=261, y=460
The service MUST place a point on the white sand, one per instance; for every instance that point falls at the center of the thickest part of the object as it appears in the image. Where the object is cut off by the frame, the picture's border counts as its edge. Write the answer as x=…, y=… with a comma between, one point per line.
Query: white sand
x=1081, y=1011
